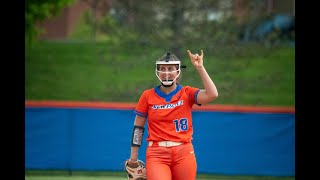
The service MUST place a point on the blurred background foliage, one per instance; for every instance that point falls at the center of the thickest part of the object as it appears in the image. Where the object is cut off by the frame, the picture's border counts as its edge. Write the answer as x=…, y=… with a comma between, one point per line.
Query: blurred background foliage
x=39, y=10
x=249, y=54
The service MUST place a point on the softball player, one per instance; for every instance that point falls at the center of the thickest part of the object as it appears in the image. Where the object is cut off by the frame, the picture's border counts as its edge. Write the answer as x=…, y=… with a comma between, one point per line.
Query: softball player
x=170, y=153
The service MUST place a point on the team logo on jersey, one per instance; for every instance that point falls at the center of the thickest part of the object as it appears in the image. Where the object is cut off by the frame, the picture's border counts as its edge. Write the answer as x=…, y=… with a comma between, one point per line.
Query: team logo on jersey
x=168, y=106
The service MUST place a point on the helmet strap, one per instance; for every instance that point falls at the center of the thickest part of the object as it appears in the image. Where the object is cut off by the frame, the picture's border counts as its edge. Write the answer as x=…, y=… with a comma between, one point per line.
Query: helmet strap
x=167, y=85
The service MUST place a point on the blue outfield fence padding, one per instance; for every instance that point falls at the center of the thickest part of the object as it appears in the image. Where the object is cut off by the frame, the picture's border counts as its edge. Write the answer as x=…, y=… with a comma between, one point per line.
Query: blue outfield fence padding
x=234, y=143
x=245, y=143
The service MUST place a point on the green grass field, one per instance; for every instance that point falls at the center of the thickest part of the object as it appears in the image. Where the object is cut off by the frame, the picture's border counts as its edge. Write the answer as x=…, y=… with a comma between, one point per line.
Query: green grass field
x=101, y=71
x=124, y=178
x=72, y=178
x=63, y=175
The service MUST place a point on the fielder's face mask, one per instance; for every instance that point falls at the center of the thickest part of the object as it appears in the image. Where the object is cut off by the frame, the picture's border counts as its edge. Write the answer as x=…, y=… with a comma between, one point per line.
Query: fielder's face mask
x=168, y=59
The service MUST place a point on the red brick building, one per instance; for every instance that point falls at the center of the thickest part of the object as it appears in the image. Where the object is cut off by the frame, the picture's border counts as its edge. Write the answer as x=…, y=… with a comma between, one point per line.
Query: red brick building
x=59, y=27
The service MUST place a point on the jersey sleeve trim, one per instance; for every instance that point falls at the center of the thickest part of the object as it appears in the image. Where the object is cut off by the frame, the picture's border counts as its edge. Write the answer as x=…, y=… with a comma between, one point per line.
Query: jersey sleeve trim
x=140, y=113
x=196, y=96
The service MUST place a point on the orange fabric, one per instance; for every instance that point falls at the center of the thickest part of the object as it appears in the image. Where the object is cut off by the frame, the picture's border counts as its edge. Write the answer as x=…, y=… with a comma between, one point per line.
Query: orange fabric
x=171, y=163
x=169, y=116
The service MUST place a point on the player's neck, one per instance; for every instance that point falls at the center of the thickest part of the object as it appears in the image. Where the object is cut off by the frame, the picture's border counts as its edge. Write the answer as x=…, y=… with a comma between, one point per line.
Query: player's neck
x=168, y=90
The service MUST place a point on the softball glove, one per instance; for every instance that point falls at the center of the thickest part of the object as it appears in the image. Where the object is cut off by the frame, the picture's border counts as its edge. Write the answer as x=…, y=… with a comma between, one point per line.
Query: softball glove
x=136, y=171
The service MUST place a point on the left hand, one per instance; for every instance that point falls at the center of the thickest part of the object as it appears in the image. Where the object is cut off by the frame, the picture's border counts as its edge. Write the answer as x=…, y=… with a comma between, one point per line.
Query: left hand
x=196, y=59
x=135, y=170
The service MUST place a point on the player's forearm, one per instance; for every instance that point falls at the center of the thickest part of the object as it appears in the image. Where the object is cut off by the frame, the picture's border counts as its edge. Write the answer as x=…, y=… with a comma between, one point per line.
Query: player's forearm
x=134, y=153
x=139, y=122
x=210, y=87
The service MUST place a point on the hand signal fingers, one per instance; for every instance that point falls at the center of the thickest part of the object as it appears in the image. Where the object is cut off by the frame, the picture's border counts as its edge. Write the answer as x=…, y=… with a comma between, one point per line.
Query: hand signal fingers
x=190, y=54
x=195, y=55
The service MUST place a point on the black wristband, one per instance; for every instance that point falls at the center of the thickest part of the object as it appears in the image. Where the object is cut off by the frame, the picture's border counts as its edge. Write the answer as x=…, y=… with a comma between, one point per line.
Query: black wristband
x=137, y=135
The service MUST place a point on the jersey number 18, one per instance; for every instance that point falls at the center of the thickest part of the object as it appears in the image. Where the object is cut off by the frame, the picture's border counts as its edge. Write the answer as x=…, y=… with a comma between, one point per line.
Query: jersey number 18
x=181, y=124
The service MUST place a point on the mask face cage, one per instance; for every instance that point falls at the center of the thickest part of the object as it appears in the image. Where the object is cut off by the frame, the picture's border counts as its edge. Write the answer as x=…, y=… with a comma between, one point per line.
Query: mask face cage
x=167, y=81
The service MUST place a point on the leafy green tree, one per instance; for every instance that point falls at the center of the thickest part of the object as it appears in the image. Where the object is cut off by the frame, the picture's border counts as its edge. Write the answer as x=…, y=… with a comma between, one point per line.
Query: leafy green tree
x=39, y=10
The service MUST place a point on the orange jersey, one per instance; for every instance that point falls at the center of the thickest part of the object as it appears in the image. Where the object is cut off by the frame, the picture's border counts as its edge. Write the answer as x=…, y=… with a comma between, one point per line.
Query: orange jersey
x=169, y=115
